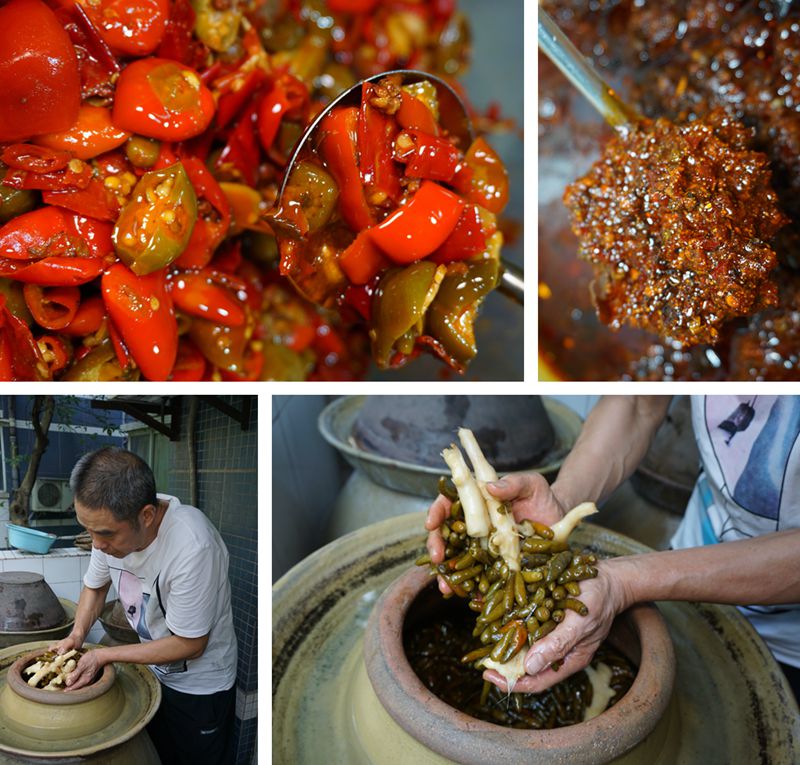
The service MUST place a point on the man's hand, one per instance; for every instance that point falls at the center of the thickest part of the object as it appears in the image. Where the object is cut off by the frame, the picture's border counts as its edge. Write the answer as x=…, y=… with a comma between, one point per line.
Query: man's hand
x=528, y=494
x=89, y=665
x=67, y=644
x=576, y=639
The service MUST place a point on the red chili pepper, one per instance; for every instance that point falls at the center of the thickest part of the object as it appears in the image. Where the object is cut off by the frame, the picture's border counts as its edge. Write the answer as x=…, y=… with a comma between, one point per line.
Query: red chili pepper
x=97, y=65
x=376, y=134
x=124, y=357
x=130, y=27
x=39, y=78
x=200, y=294
x=351, y=6
x=231, y=101
x=301, y=337
x=213, y=220
x=241, y=149
x=190, y=364
x=141, y=310
x=88, y=319
x=421, y=226
x=160, y=98
x=288, y=98
x=362, y=259
x=20, y=358
x=54, y=353
x=250, y=371
x=339, y=148
x=433, y=158
x=69, y=177
x=178, y=42
x=469, y=237
x=34, y=159
x=483, y=179
x=55, y=271
x=414, y=114
x=52, y=307
x=360, y=299
x=92, y=134
x=95, y=201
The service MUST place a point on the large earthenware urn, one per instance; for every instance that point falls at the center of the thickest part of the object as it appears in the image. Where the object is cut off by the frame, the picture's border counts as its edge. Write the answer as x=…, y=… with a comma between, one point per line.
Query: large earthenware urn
x=100, y=723
x=636, y=729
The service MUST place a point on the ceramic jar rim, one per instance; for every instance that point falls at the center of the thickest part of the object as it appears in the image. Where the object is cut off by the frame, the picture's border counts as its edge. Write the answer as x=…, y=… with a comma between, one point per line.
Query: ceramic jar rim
x=18, y=685
x=466, y=739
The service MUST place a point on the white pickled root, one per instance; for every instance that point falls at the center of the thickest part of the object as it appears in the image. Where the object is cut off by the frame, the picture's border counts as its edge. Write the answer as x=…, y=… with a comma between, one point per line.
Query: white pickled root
x=472, y=502
x=506, y=537
x=512, y=670
x=602, y=692
x=564, y=527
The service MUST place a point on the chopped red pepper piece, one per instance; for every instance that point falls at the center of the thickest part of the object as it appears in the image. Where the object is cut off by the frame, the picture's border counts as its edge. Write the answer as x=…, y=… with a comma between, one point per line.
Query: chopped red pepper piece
x=421, y=226
x=163, y=99
x=202, y=294
x=469, y=237
x=178, y=42
x=20, y=357
x=52, y=307
x=362, y=260
x=484, y=179
x=190, y=364
x=130, y=27
x=414, y=114
x=34, y=159
x=376, y=134
x=53, y=271
x=433, y=158
x=54, y=353
x=339, y=148
x=39, y=78
x=92, y=134
x=88, y=319
x=141, y=310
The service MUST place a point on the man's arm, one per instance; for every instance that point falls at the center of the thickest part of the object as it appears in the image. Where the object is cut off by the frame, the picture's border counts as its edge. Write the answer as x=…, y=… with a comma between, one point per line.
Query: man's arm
x=752, y=571
x=613, y=441
x=90, y=606
x=161, y=651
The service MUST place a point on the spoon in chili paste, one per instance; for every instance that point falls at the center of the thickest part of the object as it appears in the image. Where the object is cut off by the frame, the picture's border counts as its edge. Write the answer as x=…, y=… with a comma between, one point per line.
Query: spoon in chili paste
x=676, y=220
x=389, y=204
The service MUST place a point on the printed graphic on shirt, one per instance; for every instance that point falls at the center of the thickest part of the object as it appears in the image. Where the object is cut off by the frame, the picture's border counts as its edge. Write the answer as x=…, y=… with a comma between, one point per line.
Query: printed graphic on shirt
x=755, y=447
x=144, y=612
x=134, y=602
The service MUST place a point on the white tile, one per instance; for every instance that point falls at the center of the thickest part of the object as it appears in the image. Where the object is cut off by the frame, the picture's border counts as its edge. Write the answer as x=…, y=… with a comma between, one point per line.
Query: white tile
x=68, y=590
x=25, y=564
x=59, y=569
x=84, y=566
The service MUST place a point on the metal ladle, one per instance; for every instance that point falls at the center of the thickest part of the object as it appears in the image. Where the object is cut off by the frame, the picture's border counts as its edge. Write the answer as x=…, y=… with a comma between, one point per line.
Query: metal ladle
x=453, y=118
x=577, y=69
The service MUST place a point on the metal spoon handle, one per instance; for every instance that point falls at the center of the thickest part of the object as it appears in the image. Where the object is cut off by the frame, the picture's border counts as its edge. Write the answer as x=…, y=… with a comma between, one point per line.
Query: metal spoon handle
x=575, y=67
x=512, y=282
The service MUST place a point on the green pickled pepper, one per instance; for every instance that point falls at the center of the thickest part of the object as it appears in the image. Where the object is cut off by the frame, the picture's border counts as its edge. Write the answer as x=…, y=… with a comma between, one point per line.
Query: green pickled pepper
x=154, y=228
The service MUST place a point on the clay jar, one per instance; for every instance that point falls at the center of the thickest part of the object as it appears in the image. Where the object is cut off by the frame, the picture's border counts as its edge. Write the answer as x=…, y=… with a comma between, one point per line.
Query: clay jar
x=59, y=715
x=639, y=633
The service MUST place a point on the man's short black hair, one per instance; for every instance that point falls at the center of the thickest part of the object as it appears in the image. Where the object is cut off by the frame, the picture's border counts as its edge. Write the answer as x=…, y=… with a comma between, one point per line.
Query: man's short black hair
x=116, y=480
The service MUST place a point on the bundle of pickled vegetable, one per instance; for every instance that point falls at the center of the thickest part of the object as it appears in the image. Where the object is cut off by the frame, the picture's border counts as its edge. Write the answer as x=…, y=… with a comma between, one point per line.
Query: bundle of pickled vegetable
x=50, y=671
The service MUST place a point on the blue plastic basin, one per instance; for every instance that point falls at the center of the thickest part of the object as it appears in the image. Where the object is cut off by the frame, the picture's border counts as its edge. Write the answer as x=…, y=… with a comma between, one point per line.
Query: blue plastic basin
x=30, y=540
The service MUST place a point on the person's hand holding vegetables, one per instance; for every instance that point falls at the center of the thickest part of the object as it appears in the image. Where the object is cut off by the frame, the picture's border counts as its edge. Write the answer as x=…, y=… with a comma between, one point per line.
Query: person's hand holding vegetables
x=528, y=495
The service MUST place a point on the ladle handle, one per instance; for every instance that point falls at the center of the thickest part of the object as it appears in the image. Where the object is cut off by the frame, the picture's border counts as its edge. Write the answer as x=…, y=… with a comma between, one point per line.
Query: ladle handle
x=574, y=66
x=512, y=282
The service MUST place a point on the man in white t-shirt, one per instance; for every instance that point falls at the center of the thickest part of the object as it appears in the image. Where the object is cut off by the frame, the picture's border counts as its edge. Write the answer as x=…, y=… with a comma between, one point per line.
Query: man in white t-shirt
x=747, y=497
x=170, y=568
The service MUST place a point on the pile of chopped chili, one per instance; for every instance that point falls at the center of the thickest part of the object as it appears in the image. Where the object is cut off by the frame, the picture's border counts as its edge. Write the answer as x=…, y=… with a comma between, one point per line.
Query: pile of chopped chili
x=677, y=222
x=141, y=144
x=680, y=62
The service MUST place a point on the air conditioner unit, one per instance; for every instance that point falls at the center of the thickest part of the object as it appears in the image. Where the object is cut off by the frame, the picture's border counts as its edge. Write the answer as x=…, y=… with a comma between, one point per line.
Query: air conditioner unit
x=51, y=495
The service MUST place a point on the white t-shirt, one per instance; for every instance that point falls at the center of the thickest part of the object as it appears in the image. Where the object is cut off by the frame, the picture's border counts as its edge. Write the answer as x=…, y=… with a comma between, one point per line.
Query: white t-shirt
x=178, y=585
x=749, y=485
